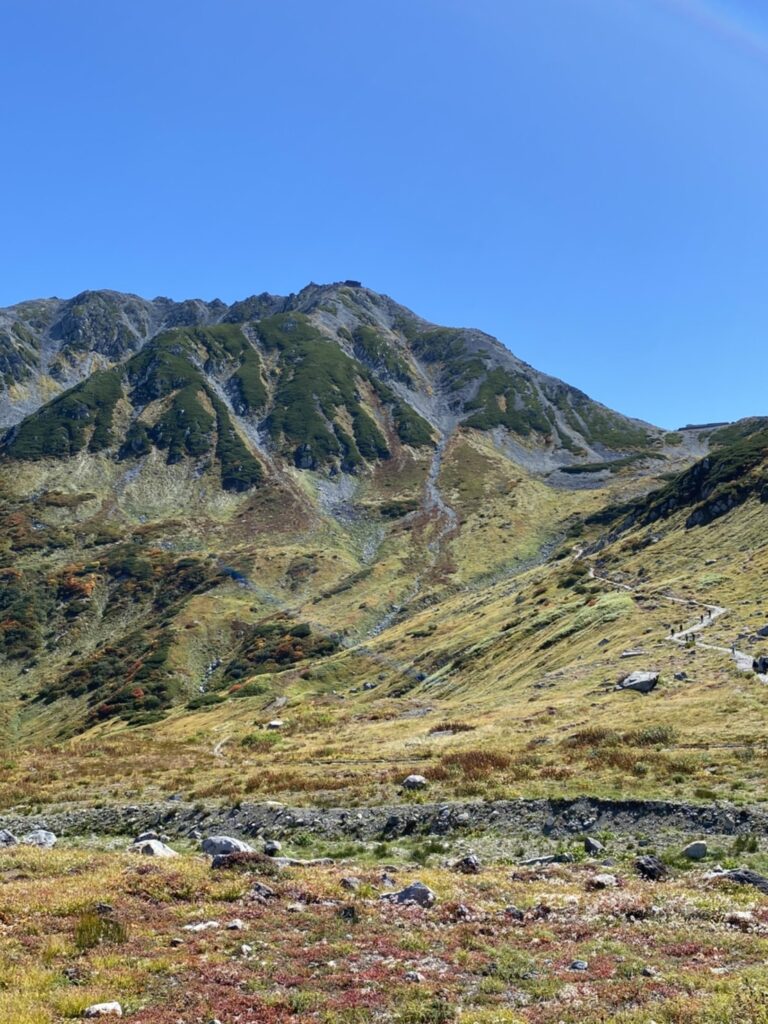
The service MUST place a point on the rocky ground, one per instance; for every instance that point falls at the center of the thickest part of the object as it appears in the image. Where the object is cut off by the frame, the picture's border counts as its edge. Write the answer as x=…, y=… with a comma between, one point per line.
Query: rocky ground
x=419, y=930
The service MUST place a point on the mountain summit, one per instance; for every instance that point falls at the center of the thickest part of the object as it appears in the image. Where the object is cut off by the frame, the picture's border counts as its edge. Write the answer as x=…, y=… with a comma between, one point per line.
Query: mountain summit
x=333, y=378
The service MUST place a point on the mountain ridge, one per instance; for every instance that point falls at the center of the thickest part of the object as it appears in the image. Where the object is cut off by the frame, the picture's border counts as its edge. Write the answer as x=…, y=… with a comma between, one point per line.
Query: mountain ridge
x=444, y=376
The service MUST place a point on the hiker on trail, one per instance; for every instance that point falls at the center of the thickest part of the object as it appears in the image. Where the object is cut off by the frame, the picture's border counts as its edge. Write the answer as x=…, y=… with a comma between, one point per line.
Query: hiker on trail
x=733, y=648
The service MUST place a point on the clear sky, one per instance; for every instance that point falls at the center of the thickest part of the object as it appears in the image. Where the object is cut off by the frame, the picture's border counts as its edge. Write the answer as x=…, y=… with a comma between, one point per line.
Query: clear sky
x=585, y=179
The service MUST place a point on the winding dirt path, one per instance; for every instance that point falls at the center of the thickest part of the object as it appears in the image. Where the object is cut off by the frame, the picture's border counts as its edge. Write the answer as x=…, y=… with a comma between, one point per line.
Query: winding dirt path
x=712, y=613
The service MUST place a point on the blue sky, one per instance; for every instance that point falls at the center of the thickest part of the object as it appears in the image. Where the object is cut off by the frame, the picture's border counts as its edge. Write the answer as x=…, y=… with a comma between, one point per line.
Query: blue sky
x=585, y=179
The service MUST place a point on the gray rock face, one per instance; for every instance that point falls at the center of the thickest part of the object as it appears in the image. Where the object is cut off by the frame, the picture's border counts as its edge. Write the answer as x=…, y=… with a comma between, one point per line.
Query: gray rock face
x=7, y=838
x=214, y=845
x=416, y=892
x=146, y=836
x=695, y=851
x=415, y=782
x=272, y=847
x=760, y=664
x=593, y=846
x=40, y=837
x=641, y=682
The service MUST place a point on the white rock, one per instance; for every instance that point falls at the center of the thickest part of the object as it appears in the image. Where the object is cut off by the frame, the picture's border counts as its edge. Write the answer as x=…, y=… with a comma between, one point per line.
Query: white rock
x=153, y=848
x=201, y=926
x=104, y=1010
x=276, y=723
x=7, y=838
x=696, y=851
x=224, y=844
x=40, y=837
x=603, y=881
x=235, y=925
x=415, y=782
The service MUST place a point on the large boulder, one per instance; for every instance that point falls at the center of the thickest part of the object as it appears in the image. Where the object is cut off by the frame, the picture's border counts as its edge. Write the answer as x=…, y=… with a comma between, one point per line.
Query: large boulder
x=416, y=892
x=696, y=850
x=214, y=845
x=7, y=838
x=415, y=782
x=760, y=664
x=642, y=682
x=40, y=837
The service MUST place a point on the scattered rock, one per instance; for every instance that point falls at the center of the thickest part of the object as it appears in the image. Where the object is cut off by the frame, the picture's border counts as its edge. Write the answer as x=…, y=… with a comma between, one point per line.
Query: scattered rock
x=40, y=837
x=642, y=682
x=272, y=847
x=7, y=838
x=416, y=892
x=579, y=965
x=760, y=664
x=602, y=882
x=415, y=782
x=469, y=865
x=743, y=919
x=261, y=892
x=153, y=848
x=552, y=858
x=414, y=977
x=743, y=876
x=696, y=850
x=681, y=676
x=224, y=844
x=593, y=846
x=514, y=913
x=369, y=686
x=349, y=913
x=246, y=949
x=235, y=925
x=276, y=723
x=202, y=926
x=104, y=1010
x=145, y=837
x=651, y=868
x=350, y=884
x=650, y=972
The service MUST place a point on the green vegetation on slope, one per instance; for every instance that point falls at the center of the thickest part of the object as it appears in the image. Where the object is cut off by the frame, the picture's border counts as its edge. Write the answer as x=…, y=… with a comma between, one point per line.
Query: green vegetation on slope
x=80, y=418
x=317, y=382
x=508, y=400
